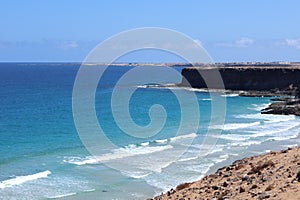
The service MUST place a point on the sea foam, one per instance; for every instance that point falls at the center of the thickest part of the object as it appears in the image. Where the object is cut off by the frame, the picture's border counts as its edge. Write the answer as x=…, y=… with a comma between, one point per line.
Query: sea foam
x=118, y=154
x=234, y=126
x=22, y=179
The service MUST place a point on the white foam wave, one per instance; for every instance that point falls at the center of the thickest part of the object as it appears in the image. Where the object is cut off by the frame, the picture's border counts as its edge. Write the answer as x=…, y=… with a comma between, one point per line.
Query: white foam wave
x=142, y=86
x=187, y=159
x=234, y=126
x=248, y=143
x=206, y=99
x=267, y=117
x=145, y=144
x=259, y=107
x=229, y=95
x=274, y=129
x=247, y=139
x=161, y=141
x=180, y=137
x=290, y=145
x=219, y=159
x=62, y=195
x=199, y=169
x=233, y=137
x=194, y=89
x=136, y=174
x=208, y=148
x=282, y=138
x=22, y=179
x=118, y=154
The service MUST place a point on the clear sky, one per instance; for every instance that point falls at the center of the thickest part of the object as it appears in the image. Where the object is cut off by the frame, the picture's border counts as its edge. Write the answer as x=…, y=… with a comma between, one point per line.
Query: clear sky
x=231, y=30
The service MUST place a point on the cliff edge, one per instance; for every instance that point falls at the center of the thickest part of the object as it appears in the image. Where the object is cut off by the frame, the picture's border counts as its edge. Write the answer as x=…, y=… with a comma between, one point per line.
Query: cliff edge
x=243, y=77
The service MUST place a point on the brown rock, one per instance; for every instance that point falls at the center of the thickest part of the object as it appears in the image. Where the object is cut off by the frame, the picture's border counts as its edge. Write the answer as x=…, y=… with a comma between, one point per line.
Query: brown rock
x=242, y=189
x=214, y=187
x=225, y=184
x=247, y=178
x=264, y=195
x=257, y=169
x=182, y=186
x=270, y=187
x=253, y=186
x=298, y=176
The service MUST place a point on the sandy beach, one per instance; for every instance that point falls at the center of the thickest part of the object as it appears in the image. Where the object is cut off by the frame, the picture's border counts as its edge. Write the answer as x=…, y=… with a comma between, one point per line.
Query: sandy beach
x=275, y=175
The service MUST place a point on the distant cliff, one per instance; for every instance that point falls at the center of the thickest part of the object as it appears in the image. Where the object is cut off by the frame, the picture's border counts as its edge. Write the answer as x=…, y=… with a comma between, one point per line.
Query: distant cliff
x=244, y=78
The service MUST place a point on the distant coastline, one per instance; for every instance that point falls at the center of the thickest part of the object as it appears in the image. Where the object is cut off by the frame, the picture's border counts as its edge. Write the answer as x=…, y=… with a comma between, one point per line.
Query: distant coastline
x=169, y=64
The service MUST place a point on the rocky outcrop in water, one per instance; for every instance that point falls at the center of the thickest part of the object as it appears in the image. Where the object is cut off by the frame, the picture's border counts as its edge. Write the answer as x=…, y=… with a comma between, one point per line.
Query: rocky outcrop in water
x=286, y=107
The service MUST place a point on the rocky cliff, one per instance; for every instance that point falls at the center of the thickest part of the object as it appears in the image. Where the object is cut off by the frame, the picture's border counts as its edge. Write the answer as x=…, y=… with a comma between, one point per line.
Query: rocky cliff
x=244, y=78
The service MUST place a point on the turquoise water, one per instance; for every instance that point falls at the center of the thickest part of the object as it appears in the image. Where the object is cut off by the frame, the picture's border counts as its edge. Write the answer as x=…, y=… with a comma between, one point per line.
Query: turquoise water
x=43, y=157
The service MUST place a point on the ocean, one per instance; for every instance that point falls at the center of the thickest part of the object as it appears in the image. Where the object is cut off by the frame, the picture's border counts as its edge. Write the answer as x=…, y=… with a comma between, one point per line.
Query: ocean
x=43, y=157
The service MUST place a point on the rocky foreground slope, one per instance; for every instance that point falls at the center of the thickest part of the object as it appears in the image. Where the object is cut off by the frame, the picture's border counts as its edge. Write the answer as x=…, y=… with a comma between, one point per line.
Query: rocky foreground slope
x=275, y=175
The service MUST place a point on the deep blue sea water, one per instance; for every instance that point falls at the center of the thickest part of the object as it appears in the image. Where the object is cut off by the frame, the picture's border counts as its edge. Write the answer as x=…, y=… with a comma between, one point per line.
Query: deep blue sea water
x=42, y=156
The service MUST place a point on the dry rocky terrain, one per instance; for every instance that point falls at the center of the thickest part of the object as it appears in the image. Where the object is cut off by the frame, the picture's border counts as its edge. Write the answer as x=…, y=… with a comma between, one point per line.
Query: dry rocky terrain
x=275, y=175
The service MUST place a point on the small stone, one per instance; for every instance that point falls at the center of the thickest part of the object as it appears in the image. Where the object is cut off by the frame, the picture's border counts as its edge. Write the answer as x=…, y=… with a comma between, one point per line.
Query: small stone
x=298, y=176
x=242, y=189
x=264, y=179
x=284, y=151
x=215, y=187
x=235, y=179
x=253, y=186
x=264, y=195
x=225, y=184
x=253, y=194
x=239, y=167
x=247, y=178
x=270, y=187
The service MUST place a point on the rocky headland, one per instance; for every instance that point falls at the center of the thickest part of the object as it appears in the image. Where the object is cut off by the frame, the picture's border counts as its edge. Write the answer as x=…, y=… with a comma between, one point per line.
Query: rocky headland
x=252, y=81
x=246, y=78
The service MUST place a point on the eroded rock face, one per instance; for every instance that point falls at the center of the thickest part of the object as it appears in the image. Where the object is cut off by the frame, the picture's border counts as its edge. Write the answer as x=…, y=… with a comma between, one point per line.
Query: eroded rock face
x=243, y=78
x=255, y=81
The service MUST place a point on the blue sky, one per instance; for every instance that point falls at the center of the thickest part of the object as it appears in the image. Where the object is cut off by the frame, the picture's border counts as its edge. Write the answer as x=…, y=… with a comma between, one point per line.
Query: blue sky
x=65, y=30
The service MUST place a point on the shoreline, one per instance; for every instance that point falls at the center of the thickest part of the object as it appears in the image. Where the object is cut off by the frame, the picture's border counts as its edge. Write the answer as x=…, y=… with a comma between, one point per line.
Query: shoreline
x=273, y=175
